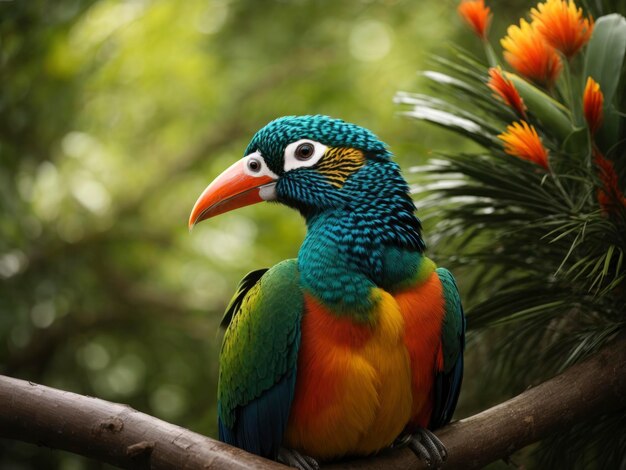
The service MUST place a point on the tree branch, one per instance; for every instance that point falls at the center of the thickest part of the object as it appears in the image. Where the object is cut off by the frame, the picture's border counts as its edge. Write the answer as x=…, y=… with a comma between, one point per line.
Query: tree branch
x=110, y=432
x=119, y=435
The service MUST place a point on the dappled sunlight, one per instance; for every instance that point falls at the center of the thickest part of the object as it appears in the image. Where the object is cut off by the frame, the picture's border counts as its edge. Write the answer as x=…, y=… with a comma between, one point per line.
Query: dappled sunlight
x=205, y=287
x=90, y=193
x=103, y=20
x=169, y=401
x=232, y=243
x=47, y=191
x=94, y=356
x=11, y=263
x=370, y=40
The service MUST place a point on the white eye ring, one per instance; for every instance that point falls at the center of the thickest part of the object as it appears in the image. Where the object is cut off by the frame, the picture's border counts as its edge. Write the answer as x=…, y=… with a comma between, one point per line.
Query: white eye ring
x=303, y=153
x=255, y=166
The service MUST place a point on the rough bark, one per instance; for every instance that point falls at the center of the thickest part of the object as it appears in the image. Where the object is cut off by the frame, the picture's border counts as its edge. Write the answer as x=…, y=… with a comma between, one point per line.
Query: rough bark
x=122, y=436
x=110, y=432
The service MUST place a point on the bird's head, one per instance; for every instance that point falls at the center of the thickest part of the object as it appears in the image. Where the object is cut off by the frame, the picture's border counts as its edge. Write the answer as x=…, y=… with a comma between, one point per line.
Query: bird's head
x=305, y=162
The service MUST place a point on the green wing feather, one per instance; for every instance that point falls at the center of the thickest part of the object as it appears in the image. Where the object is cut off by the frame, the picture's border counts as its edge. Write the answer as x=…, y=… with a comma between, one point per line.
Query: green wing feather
x=261, y=343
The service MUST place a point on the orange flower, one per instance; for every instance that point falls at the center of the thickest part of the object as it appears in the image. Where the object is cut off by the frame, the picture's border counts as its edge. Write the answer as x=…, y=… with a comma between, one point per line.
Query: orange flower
x=477, y=15
x=529, y=54
x=562, y=25
x=593, y=100
x=505, y=89
x=521, y=140
x=610, y=195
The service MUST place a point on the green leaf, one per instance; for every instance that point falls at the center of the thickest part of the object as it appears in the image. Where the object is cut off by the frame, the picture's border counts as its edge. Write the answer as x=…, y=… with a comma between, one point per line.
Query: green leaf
x=451, y=117
x=605, y=54
x=550, y=112
x=603, y=62
x=577, y=143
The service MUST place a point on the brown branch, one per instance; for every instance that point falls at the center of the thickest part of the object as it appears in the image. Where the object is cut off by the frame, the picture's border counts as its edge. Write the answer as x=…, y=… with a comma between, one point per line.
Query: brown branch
x=121, y=436
x=110, y=432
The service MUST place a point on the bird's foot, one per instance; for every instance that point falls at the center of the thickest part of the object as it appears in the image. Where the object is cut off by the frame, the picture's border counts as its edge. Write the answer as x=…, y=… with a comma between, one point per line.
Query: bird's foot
x=426, y=446
x=295, y=459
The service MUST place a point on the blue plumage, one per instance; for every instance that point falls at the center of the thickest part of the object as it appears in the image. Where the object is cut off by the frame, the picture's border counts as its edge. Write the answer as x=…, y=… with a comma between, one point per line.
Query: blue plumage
x=260, y=424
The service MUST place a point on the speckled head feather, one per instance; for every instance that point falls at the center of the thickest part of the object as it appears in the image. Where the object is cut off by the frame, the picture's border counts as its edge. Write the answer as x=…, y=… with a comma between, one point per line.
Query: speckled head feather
x=272, y=139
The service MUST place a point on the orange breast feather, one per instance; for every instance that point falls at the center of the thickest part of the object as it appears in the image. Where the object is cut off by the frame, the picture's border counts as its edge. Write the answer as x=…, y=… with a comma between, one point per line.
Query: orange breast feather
x=422, y=308
x=353, y=389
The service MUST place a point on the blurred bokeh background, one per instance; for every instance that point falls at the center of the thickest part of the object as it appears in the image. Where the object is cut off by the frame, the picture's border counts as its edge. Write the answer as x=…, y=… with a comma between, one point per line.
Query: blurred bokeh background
x=114, y=116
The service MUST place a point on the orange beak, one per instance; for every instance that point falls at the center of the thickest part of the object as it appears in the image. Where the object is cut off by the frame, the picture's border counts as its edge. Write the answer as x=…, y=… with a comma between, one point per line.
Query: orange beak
x=231, y=190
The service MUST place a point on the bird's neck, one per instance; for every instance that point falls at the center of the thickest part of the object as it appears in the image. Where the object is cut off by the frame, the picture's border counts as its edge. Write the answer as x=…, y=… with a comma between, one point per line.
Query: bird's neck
x=373, y=242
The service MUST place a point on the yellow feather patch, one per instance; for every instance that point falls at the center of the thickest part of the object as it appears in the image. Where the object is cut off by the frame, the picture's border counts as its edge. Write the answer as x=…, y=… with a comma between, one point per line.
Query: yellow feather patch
x=387, y=354
x=339, y=163
x=358, y=397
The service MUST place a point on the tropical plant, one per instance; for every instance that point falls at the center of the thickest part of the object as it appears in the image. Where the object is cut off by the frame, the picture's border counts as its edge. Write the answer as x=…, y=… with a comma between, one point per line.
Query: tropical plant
x=537, y=214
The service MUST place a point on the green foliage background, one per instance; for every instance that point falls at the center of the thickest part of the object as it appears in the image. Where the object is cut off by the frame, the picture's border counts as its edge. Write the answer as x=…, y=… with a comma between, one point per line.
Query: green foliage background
x=114, y=115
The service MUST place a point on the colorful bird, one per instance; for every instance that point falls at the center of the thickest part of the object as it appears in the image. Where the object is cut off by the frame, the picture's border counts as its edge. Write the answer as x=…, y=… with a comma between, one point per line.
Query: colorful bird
x=356, y=345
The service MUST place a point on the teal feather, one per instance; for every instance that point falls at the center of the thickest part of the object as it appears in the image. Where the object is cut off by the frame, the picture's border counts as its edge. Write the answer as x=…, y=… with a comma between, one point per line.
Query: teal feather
x=344, y=253
x=448, y=380
x=453, y=323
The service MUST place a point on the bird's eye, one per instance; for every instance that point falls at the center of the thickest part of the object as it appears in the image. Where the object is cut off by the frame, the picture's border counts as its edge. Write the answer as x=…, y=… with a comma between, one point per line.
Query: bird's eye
x=254, y=165
x=304, y=151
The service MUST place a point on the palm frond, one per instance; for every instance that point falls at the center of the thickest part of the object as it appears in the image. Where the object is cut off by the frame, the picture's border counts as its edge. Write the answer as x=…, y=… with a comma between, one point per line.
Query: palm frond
x=541, y=250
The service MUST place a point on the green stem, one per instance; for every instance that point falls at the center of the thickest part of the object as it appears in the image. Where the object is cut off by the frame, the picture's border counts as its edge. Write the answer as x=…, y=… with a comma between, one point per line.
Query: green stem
x=492, y=59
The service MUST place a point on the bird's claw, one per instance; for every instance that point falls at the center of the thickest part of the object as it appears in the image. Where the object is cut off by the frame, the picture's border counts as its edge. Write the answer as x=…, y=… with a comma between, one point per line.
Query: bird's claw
x=295, y=459
x=426, y=446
